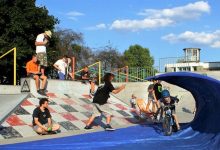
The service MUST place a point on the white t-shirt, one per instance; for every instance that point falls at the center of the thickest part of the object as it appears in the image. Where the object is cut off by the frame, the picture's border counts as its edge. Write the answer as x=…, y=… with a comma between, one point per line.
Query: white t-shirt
x=40, y=49
x=62, y=65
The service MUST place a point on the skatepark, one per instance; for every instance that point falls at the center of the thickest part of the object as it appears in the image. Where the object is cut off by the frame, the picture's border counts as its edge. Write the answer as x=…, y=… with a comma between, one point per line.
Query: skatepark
x=93, y=75
x=70, y=105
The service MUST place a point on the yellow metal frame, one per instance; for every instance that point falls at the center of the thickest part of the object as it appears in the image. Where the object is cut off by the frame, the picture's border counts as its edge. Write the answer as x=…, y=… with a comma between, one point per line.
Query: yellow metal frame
x=132, y=76
x=15, y=55
x=99, y=63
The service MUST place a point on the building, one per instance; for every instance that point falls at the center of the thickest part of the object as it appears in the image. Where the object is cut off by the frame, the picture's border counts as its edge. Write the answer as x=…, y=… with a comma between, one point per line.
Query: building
x=191, y=62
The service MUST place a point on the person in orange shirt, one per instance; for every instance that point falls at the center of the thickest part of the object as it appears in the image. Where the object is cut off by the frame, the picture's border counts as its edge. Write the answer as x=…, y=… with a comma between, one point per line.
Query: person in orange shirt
x=33, y=71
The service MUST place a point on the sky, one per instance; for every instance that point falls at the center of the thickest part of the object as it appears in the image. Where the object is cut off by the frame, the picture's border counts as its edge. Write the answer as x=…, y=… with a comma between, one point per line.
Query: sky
x=163, y=26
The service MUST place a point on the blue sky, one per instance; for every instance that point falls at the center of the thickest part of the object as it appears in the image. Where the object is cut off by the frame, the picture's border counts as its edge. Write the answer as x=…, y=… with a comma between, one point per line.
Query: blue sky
x=163, y=26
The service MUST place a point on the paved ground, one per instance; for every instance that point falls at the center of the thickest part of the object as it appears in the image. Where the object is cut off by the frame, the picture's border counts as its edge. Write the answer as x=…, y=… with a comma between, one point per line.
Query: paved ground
x=69, y=110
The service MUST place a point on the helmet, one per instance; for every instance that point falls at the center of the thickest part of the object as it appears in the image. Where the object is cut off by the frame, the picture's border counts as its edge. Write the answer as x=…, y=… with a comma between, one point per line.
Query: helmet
x=165, y=93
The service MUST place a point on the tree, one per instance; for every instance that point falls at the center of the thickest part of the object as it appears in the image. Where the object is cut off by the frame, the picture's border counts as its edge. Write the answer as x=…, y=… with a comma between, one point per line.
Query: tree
x=110, y=58
x=138, y=56
x=84, y=56
x=20, y=22
x=66, y=39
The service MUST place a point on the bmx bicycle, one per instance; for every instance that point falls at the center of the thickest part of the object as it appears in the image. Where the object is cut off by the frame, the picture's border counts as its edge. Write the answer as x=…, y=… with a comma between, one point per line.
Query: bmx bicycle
x=169, y=124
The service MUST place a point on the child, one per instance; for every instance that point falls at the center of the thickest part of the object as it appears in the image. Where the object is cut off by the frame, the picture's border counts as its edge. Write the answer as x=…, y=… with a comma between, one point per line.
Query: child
x=86, y=78
x=100, y=102
x=133, y=101
x=152, y=98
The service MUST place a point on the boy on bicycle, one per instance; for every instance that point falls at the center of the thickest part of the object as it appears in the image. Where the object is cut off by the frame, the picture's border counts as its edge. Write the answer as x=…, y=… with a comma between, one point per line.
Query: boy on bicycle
x=167, y=100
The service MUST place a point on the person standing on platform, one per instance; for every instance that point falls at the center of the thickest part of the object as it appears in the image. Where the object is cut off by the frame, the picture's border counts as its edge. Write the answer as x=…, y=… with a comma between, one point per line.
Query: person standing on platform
x=41, y=42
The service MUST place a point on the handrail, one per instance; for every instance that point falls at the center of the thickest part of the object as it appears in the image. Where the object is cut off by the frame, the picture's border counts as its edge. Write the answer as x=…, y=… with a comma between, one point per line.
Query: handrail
x=15, y=55
x=99, y=63
x=118, y=69
x=132, y=76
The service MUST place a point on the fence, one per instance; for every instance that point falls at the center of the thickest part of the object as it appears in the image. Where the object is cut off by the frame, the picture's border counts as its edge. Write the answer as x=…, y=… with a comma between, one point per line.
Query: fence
x=133, y=74
x=169, y=60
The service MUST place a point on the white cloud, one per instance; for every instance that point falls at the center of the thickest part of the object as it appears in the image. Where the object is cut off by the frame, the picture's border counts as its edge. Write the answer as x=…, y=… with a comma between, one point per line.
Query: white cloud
x=135, y=25
x=216, y=44
x=74, y=14
x=155, y=18
x=211, y=39
x=189, y=11
x=97, y=27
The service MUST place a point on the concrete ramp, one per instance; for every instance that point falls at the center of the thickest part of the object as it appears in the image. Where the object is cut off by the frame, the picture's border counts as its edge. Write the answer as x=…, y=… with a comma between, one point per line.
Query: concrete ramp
x=8, y=104
x=184, y=108
x=70, y=106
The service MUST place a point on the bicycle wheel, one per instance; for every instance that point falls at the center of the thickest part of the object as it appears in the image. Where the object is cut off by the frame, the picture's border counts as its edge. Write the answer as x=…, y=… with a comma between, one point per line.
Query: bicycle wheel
x=167, y=127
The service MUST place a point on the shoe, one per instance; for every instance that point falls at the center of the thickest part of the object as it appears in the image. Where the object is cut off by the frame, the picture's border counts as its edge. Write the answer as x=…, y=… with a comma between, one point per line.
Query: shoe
x=41, y=92
x=155, y=116
x=109, y=128
x=88, y=128
x=52, y=132
x=92, y=93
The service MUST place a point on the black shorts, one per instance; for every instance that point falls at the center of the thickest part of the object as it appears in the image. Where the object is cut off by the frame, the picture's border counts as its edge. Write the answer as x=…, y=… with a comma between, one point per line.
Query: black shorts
x=31, y=75
x=86, y=81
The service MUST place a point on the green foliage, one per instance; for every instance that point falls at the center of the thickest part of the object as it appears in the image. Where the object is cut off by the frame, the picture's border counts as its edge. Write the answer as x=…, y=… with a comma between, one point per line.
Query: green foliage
x=138, y=56
x=110, y=58
x=20, y=22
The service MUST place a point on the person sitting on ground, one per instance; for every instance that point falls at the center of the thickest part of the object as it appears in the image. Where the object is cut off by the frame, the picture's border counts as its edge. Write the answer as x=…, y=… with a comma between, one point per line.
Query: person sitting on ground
x=152, y=99
x=42, y=122
x=33, y=71
x=133, y=101
x=61, y=66
x=85, y=77
x=167, y=100
x=100, y=100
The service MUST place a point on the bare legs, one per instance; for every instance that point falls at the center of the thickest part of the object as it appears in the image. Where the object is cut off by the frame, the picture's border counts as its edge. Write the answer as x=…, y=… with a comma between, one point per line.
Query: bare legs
x=176, y=120
x=92, y=87
x=154, y=106
x=44, y=81
x=55, y=127
x=92, y=118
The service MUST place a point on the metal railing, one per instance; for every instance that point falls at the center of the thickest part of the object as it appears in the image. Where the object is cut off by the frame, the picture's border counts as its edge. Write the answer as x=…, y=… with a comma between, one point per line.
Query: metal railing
x=124, y=74
x=15, y=55
x=92, y=65
x=133, y=74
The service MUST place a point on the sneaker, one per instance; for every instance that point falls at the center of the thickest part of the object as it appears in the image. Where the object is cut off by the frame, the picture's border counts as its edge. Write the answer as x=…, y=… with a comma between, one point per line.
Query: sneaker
x=52, y=132
x=92, y=93
x=41, y=92
x=88, y=128
x=109, y=128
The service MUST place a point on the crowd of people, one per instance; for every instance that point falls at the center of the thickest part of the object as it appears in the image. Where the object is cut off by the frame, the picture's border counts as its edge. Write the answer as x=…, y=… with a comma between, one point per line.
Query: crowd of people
x=158, y=99
x=42, y=122
x=35, y=68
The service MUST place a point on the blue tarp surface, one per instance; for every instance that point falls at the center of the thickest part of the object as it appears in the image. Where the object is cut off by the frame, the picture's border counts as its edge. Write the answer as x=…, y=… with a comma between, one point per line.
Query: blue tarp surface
x=201, y=134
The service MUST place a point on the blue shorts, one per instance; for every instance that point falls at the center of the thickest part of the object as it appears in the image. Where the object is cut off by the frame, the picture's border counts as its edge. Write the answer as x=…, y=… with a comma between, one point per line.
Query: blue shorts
x=61, y=76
